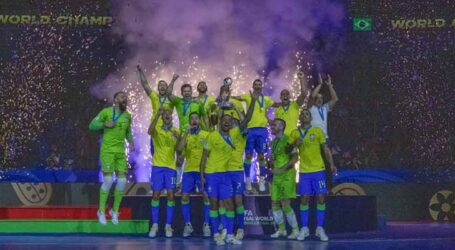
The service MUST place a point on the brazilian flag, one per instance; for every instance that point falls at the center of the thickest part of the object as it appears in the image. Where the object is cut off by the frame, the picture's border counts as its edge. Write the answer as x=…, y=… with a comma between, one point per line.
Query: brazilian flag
x=362, y=24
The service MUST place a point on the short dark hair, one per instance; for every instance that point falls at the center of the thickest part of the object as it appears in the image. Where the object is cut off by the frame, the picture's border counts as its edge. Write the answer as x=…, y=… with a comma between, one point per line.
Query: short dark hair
x=230, y=116
x=283, y=121
x=118, y=93
x=185, y=86
x=194, y=113
x=256, y=80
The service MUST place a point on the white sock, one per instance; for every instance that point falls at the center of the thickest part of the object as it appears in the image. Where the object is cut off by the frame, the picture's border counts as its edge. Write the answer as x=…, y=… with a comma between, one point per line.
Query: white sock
x=292, y=220
x=278, y=217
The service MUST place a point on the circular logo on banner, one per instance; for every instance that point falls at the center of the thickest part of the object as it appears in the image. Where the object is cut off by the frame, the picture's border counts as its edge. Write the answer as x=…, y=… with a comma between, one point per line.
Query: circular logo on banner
x=33, y=193
x=348, y=189
x=442, y=206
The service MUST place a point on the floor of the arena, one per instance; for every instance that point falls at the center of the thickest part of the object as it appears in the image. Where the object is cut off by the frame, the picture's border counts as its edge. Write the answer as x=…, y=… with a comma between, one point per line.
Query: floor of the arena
x=397, y=235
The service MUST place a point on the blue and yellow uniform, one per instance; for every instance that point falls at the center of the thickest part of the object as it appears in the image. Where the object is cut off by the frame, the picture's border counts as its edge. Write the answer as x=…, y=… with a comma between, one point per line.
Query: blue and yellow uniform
x=257, y=127
x=220, y=149
x=193, y=154
x=312, y=167
x=290, y=114
x=164, y=175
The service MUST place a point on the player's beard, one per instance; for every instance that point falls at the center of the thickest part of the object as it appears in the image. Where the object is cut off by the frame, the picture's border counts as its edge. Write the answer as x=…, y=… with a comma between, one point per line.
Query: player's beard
x=202, y=91
x=122, y=106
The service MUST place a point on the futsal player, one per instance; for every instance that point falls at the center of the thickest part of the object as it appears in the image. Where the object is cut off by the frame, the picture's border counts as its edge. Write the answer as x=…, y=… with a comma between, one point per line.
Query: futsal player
x=311, y=143
x=164, y=174
x=190, y=147
x=159, y=98
x=284, y=182
x=235, y=168
x=185, y=105
x=257, y=133
x=115, y=122
x=289, y=110
x=320, y=112
x=217, y=153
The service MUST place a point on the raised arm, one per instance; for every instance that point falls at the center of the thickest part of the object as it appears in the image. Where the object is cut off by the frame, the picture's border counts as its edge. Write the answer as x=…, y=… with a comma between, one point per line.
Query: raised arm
x=238, y=98
x=249, y=113
x=143, y=80
x=170, y=88
x=303, y=83
x=315, y=91
x=152, y=126
x=213, y=116
x=333, y=94
x=239, y=112
x=182, y=142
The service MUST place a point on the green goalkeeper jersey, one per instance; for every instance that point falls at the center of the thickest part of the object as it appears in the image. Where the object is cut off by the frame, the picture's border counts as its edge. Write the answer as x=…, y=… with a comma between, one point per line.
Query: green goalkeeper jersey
x=280, y=157
x=113, y=138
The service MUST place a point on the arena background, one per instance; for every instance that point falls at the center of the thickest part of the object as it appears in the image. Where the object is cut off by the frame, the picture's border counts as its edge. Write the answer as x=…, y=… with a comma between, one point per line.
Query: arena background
x=392, y=63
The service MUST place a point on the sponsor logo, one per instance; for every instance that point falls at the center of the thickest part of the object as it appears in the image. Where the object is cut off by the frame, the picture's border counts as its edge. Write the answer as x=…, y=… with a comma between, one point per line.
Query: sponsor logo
x=252, y=218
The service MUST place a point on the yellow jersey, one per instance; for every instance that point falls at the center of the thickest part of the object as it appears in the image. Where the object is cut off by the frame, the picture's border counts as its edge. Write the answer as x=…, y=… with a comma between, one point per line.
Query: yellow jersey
x=156, y=101
x=310, y=151
x=193, y=150
x=290, y=115
x=239, y=143
x=164, y=142
x=220, y=152
x=259, y=117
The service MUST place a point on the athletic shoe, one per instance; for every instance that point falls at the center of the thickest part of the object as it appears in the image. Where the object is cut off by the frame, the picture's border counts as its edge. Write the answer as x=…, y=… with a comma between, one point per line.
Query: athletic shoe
x=321, y=234
x=261, y=184
x=223, y=234
x=187, y=230
x=304, y=232
x=248, y=186
x=240, y=234
x=294, y=234
x=153, y=230
x=232, y=240
x=168, y=230
x=114, y=216
x=101, y=218
x=206, y=230
x=218, y=240
x=278, y=234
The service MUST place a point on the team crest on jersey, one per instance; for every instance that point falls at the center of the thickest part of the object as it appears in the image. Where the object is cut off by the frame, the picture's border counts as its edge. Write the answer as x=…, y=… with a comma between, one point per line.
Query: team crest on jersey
x=125, y=119
x=312, y=137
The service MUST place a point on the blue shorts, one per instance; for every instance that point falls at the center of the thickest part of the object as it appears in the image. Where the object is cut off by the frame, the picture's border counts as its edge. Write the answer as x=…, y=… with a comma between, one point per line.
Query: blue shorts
x=190, y=181
x=256, y=140
x=312, y=183
x=218, y=186
x=237, y=179
x=163, y=178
